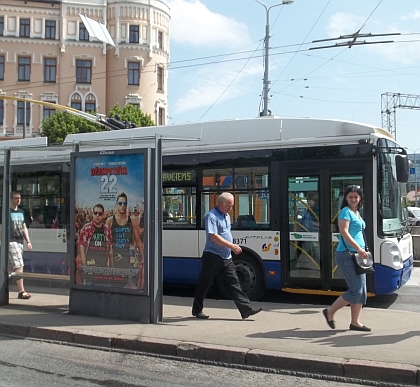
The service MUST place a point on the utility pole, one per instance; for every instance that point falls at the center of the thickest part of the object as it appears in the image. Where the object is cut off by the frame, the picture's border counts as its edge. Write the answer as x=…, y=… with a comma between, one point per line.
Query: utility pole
x=267, y=51
x=389, y=104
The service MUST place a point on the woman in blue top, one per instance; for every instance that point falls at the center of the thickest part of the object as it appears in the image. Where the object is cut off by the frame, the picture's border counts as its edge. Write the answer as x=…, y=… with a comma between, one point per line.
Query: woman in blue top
x=351, y=227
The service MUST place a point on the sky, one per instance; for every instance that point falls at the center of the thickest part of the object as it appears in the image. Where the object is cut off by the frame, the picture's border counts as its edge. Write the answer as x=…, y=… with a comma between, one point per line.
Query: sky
x=103, y=188
x=216, y=66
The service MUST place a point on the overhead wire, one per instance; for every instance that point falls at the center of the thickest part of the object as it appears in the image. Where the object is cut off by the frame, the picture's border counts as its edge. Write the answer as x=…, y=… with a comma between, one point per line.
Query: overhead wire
x=102, y=75
x=224, y=91
x=301, y=44
x=335, y=56
x=233, y=80
x=235, y=59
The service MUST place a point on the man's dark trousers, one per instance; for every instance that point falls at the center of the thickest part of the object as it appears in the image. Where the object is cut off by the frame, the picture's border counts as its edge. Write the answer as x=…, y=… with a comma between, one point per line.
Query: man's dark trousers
x=212, y=265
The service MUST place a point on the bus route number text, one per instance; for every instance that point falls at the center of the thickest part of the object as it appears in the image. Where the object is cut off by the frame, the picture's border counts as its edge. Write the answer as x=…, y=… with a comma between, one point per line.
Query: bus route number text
x=239, y=241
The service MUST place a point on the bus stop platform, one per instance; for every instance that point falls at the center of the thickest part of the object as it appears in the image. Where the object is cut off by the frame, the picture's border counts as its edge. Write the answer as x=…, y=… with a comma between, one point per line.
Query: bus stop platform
x=282, y=338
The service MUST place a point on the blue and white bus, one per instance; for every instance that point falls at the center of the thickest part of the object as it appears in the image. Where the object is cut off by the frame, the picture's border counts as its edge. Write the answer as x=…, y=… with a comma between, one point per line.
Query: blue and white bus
x=279, y=170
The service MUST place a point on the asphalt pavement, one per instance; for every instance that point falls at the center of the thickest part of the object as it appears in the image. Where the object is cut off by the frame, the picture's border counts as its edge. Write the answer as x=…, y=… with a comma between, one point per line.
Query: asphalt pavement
x=291, y=337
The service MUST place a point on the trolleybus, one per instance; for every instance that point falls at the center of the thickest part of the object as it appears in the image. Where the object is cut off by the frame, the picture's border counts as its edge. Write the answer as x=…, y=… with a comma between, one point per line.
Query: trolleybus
x=288, y=177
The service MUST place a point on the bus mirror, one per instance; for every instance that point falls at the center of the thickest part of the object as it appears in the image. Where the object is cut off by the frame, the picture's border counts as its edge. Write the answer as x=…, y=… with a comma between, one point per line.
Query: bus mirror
x=403, y=171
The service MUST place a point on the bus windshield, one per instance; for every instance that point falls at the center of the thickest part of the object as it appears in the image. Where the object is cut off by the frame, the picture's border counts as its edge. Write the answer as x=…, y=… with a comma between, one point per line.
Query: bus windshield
x=392, y=213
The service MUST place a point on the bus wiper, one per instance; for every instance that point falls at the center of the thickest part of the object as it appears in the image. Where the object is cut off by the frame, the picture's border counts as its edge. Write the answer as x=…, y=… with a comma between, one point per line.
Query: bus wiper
x=399, y=236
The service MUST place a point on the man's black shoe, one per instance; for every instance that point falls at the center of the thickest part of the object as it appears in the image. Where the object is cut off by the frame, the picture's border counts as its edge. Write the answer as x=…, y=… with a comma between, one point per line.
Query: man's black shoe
x=201, y=315
x=251, y=313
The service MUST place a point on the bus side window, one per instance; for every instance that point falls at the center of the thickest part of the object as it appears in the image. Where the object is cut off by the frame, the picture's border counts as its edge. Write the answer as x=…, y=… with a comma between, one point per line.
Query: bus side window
x=179, y=205
x=245, y=222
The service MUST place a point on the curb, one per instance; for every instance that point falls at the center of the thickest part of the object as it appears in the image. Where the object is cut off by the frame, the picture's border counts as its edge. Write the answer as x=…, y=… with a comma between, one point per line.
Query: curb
x=322, y=365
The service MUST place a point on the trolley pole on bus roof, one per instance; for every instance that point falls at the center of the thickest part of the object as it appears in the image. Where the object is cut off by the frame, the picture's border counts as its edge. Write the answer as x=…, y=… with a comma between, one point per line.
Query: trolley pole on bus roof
x=267, y=51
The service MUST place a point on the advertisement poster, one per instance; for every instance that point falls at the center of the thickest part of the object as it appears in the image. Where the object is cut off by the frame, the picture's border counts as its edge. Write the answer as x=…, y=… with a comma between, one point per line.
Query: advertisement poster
x=109, y=220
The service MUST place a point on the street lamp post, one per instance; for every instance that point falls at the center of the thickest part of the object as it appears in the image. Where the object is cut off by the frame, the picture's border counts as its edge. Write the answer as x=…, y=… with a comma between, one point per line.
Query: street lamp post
x=267, y=49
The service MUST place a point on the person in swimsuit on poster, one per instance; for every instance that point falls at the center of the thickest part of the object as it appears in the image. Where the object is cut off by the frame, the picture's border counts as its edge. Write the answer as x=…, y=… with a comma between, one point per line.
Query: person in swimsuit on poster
x=125, y=232
x=95, y=243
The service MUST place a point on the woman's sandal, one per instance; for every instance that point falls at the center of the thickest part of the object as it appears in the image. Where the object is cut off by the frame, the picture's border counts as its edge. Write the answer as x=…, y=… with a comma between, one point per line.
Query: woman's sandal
x=24, y=296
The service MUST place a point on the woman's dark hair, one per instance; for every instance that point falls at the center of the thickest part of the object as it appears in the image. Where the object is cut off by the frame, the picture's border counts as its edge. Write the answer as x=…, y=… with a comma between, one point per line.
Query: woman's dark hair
x=352, y=188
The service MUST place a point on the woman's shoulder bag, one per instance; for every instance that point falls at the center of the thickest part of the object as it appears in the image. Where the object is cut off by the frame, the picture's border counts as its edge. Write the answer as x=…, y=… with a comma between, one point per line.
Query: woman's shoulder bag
x=362, y=265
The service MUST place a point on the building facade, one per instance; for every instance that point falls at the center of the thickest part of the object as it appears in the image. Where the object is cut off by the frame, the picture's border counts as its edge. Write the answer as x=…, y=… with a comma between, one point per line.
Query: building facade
x=47, y=54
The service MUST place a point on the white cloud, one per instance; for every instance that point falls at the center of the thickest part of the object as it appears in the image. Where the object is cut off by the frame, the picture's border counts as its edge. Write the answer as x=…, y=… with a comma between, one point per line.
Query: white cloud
x=405, y=53
x=209, y=84
x=342, y=23
x=194, y=24
x=415, y=14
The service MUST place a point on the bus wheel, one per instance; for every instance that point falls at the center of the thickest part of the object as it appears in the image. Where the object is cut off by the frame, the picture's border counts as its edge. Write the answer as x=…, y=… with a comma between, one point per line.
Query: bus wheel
x=250, y=275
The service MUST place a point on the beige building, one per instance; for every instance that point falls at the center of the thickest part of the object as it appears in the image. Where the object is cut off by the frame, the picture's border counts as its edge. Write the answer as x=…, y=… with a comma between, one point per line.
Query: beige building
x=47, y=54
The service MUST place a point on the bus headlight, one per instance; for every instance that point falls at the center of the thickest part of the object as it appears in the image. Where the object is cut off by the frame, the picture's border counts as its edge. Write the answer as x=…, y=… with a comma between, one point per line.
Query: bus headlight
x=391, y=255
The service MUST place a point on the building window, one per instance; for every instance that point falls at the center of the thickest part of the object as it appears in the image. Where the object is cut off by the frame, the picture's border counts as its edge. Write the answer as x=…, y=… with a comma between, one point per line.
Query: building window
x=50, y=70
x=90, y=107
x=160, y=78
x=161, y=116
x=48, y=111
x=90, y=103
x=160, y=40
x=1, y=111
x=134, y=73
x=21, y=112
x=76, y=101
x=1, y=25
x=50, y=29
x=24, y=69
x=134, y=34
x=25, y=28
x=1, y=68
x=83, y=71
x=83, y=32
x=76, y=105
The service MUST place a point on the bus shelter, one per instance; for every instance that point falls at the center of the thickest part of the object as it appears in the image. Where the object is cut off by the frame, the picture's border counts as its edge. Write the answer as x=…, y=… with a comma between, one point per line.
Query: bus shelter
x=103, y=241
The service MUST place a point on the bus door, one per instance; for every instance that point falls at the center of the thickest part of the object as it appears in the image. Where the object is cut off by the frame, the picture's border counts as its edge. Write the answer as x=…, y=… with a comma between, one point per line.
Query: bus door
x=313, y=204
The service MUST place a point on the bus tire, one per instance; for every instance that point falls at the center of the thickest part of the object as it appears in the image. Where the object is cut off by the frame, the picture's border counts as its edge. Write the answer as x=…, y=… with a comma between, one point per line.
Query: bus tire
x=250, y=275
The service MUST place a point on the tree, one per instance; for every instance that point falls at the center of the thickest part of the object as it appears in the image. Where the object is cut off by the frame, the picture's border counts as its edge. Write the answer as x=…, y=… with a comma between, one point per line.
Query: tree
x=60, y=124
x=132, y=114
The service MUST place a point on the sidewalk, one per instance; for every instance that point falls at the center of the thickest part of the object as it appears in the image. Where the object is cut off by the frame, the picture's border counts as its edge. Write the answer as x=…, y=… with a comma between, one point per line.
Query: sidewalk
x=287, y=337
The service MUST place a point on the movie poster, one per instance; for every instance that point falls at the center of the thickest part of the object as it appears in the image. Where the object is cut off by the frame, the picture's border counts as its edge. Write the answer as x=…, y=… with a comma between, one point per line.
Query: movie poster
x=109, y=220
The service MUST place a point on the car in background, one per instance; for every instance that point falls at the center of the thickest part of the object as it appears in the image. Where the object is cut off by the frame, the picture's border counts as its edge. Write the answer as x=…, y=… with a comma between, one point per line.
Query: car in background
x=413, y=216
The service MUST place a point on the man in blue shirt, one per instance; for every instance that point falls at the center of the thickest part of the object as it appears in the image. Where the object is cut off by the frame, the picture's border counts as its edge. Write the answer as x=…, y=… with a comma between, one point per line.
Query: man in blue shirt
x=217, y=260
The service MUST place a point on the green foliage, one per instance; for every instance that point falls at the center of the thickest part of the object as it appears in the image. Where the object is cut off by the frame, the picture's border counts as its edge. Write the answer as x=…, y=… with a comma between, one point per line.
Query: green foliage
x=60, y=124
x=133, y=114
